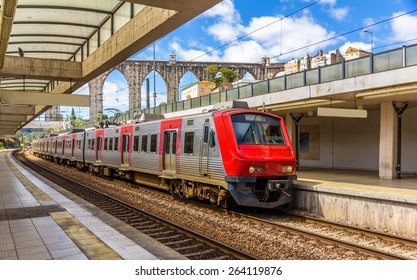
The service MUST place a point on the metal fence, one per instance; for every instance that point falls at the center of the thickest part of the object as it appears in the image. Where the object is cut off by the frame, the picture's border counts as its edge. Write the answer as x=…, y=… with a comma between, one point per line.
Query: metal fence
x=374, y=63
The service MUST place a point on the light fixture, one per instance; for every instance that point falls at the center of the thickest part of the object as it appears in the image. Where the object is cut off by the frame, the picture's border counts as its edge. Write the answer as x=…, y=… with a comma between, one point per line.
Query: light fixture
x=341, y=113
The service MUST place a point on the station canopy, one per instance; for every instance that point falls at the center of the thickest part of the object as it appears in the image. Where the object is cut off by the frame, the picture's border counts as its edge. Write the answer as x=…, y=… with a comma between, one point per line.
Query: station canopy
x=49, y=48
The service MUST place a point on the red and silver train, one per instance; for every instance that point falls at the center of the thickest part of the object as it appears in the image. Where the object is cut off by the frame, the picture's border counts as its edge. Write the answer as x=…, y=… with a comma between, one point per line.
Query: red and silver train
x=222, y=155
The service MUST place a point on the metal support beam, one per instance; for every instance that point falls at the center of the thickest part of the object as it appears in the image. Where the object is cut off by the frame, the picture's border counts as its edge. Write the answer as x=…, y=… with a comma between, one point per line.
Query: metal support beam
x=400, y=112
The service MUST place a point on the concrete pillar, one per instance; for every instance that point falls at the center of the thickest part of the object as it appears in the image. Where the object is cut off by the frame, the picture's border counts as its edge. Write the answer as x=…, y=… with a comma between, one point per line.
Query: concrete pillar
x=290, y=125
x=388, y=142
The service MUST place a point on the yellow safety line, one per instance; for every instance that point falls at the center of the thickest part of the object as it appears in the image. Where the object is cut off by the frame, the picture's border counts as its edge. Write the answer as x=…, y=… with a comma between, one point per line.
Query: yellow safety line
x=89, y=244
x=37, y=193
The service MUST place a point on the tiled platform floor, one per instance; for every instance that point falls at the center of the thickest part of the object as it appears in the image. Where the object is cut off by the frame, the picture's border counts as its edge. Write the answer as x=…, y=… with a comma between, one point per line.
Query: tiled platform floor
x=39, y=223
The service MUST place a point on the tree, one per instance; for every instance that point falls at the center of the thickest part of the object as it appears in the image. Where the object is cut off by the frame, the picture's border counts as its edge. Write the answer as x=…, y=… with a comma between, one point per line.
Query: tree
x=229, y=75
x=212, y=70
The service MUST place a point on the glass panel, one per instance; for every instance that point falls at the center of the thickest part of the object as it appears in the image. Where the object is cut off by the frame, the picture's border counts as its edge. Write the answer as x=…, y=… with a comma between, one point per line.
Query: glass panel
x=188, y=142
x=295, y=80
x=277, y=84
x=180, y=106
x=121, y=16
x=205, y=100
x=257, y=129
x=137, y=8
x=85, y=51
x=187, y=104
x=312, y=76
x=78, y=57
x=245, y=91
x=388, y=60
x=357, y=67
x=260, y=88
x=195, y=102
x=223, y=96
x=144, y=144
x=232, y=94
x=331, y=72
x=153, y=143
x=93, y=42
x=105, y=31
x=163, y=108
x=411, y=55
x=215, y=98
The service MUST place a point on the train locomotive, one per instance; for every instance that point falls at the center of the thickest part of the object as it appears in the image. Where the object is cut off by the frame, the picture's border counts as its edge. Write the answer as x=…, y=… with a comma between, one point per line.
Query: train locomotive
x=230, y=153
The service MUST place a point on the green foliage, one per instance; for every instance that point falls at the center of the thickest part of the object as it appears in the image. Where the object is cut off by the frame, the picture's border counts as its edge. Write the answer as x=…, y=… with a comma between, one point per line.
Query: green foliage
x=212, y=70
x=229, y=75
x=102, y=117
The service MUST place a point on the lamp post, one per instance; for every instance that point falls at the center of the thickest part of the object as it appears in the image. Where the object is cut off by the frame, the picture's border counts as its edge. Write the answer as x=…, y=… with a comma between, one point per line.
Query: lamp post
x=372, y=43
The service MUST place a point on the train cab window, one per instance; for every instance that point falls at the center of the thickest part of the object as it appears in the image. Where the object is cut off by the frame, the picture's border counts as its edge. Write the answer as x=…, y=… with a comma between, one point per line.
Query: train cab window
x=106, y=140
x=92, y=144
x=136, y=143
x=257, y=129
x=111, y=144
x=188, y=142
x=144, y=146
x=153, y=143
x=116, y=143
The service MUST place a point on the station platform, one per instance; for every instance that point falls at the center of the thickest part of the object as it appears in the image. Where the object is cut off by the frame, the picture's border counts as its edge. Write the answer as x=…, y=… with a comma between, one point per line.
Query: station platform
x=41, y=221
x=359, y=198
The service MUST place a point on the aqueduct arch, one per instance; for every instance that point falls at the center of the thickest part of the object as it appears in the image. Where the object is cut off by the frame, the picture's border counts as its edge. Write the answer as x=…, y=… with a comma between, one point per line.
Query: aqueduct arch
x=135, y=72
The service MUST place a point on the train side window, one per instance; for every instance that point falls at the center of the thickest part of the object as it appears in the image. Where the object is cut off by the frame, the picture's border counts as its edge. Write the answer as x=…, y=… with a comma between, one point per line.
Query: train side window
x=153, y=143
x=206, y=134
x=106, y=140
x=116, y=143
x=144, y=147
x=188, y=142
x=111, y=144
x=136, y=143
x=92, y=144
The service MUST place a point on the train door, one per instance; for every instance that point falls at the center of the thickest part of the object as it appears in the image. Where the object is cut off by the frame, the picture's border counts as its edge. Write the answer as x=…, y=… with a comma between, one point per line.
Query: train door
x=125, y=149
x=204, y=151
x=170, y=151
x=99, y=141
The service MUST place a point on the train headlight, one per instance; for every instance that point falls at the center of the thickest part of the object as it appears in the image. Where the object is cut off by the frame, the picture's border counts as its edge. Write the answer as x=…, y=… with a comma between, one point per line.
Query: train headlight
x=287, y=168
x=257, y=169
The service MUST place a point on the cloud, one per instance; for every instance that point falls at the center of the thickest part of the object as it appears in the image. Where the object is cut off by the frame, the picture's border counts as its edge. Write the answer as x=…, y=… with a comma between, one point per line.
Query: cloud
x=339, y=13
x=116, y=95
x=193, y=54
x=224, y=11
x=402, y=27
x=358, y=45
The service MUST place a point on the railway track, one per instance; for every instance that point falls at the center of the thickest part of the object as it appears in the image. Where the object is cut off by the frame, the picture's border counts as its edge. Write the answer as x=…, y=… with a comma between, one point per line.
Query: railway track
x=379, y=244
x=277, y=227
x=188, y=243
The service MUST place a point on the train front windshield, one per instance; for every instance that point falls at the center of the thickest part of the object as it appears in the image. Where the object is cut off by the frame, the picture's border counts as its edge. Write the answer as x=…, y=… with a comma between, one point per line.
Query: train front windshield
x=257, y=129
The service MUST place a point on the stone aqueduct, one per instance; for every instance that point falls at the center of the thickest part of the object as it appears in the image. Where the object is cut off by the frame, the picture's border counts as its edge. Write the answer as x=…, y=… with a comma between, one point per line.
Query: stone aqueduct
x=135, y=72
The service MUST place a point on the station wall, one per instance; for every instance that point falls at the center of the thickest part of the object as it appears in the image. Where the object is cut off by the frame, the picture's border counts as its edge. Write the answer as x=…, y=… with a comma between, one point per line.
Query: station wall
x=343, y=143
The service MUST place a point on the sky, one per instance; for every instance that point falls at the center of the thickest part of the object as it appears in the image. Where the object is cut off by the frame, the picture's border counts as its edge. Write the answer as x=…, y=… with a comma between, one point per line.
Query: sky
x=246, y=31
